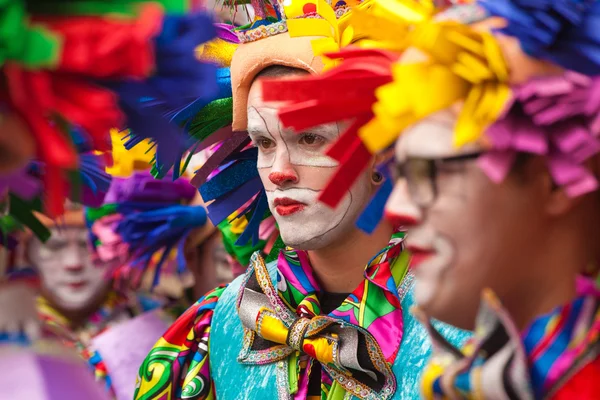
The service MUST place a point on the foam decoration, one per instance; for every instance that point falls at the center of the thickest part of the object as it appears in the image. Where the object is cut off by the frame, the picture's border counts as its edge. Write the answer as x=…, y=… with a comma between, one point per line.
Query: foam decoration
x=158, y=232
x=333, y=33
x=236, y=142
x=140, y=224
x=95, y=181
x=74, y=54
x=240, y=253
x=198, y=110
x=386, y=24
x=220, y=209
x=54, y=149
x=373, y=213
x=104, y=7
x=469, y=65
x=253, y=57
x=20, y=212
x=312, y=101
x=208, y=123
x=74, y=98
x=142, y=187
x=31, y=373
x=229, y=179
x=179, y=79
x=205, y=115
x=219, y=50
x=557, y=117
x=126, y=162
x=24, y=43
x=109, y=247
x=20, y=183
x=259, y=208
x=562, y=31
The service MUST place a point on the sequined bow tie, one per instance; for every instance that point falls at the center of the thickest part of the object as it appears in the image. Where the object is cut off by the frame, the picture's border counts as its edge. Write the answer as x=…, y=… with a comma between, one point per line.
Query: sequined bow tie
x=273, y=332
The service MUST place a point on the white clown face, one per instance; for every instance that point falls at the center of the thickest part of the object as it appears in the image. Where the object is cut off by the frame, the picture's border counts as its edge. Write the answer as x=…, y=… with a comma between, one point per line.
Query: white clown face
x=69, y=277
x=294, y=170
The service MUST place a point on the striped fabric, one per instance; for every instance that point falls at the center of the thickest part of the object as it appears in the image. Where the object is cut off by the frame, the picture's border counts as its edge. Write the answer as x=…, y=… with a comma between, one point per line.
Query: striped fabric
x=502, y=363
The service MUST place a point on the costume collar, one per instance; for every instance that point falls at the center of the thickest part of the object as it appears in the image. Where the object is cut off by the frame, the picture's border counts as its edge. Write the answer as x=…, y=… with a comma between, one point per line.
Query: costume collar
x=513, y=364
x=285, y=324
x=115, y=306
x=373, y=305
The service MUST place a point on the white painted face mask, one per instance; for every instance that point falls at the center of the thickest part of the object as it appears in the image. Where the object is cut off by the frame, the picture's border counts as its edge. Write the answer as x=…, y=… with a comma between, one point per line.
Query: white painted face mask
x=294, y=170
x=68, y=274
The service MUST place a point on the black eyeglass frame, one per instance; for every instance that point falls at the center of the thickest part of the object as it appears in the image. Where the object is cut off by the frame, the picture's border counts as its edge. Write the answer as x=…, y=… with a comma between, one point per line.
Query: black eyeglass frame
x=432, y=165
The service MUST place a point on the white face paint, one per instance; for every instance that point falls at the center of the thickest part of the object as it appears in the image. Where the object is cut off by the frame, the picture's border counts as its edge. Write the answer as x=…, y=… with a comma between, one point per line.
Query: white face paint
x=294, y=170
x=69, y=276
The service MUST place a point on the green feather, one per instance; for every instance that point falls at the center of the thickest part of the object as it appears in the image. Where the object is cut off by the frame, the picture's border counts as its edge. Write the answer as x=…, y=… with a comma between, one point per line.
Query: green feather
x=22, y=211
x=102, y=7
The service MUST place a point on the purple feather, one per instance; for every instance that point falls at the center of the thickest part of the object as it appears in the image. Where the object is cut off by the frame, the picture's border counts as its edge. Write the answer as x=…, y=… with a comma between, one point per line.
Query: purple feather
x=550, y=117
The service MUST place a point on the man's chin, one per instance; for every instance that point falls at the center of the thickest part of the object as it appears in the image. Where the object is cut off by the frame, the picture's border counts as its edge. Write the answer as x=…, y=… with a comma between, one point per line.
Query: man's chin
x=305, y=242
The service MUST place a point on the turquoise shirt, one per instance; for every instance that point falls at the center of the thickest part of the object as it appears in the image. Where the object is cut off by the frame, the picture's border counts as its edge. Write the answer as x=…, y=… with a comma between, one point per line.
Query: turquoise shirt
x=234, y=381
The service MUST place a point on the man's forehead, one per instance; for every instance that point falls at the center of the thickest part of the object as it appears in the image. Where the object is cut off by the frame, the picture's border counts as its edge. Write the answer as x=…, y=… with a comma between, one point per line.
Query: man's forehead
x=433, y=137
x=67, y=231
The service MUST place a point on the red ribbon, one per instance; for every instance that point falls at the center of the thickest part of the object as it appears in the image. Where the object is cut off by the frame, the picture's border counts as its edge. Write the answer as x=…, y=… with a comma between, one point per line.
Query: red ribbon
x=346, y=92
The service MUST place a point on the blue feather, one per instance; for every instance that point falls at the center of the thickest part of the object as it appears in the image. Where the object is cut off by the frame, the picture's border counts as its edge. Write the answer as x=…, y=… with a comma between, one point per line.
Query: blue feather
x=373, y=213
x=562, y=31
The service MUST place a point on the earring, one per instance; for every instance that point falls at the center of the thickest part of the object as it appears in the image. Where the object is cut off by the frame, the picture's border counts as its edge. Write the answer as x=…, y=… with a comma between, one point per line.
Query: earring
x=377, y=177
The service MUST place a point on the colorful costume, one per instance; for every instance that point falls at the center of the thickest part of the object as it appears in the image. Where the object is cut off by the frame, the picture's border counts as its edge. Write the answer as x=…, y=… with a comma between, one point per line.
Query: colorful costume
x=556, y=357
x=117, y=310
x=274, y=333
x=208, y=352
x=72, y=72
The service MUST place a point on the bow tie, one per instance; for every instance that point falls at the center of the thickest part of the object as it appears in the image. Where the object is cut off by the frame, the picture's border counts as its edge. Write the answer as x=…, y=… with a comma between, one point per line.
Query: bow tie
x=273, y=332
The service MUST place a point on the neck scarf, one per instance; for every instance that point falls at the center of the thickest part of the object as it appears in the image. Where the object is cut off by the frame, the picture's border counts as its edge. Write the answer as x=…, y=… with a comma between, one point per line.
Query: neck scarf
x=501, y=362
x=116, y=308
x=355, y=343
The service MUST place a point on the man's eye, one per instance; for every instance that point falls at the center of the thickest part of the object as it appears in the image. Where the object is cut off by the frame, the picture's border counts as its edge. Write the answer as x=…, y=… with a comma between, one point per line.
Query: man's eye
x=265, y=143
x=55, y=246
x=312, y=140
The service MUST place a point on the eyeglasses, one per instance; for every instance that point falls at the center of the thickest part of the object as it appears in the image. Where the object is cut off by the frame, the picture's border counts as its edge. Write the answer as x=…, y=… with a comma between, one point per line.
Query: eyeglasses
x=421, y=176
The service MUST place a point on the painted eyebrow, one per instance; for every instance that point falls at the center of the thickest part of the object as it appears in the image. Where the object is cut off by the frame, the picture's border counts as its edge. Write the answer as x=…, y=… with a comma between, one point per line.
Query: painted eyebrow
x=258, y=129
x=318, y=130
x=53, y=241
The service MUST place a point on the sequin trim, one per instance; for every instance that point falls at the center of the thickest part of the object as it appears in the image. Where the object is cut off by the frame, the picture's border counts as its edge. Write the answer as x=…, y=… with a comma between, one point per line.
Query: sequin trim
x=296, y=333
x=264, y=280
x=283, y=389
x=265, y=31
x=406, y=285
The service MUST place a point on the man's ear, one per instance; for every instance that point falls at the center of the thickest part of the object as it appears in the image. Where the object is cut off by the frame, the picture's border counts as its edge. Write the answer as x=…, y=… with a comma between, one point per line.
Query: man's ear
x=559, y=202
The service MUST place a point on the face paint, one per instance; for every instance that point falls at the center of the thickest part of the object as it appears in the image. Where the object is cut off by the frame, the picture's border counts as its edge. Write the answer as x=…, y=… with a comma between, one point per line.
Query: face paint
x=68, y=274
x=294, y=170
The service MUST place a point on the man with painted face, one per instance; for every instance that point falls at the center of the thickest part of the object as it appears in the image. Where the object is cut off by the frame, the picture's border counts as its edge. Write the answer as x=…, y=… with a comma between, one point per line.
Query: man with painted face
x=329, y=316
x=77, y=301
x=70, y=282
x=80, y=306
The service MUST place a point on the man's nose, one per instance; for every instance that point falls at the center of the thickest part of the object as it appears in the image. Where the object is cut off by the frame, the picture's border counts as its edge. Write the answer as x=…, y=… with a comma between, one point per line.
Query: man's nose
x=400, y=210
x=283, y=171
